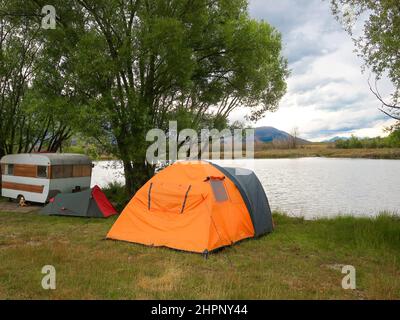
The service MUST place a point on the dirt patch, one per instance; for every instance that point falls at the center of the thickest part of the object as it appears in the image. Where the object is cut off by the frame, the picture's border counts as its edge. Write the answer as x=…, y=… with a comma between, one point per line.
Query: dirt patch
x=8, y=206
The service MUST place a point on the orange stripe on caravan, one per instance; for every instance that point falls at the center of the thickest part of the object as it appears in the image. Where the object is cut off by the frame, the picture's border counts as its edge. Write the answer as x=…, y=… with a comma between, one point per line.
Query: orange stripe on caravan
x=22, y=187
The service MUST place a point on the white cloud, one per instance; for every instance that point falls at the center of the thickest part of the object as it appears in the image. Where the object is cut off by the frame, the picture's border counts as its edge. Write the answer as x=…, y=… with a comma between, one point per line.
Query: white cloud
x=327, y=93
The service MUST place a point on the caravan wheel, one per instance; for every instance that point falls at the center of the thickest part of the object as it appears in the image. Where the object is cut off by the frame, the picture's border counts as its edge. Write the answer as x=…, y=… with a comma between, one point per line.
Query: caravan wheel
x=21, y=200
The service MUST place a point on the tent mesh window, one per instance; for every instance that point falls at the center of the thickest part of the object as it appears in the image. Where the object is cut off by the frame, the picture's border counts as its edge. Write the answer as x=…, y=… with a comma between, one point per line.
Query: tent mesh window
x=219, y=190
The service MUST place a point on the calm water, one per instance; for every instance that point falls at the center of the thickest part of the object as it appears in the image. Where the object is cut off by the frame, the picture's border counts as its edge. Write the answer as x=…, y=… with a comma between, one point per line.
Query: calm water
x=312, y=187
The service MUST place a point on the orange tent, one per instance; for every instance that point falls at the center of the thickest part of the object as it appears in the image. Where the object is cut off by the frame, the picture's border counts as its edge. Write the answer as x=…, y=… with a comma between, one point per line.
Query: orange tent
x=197, y=207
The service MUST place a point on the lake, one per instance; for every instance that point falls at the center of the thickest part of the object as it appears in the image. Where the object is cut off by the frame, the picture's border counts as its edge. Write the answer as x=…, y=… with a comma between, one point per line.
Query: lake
x=311, y=187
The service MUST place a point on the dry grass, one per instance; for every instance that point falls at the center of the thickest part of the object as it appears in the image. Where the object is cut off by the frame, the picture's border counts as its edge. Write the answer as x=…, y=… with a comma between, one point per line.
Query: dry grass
x=301, y=259
x=325, y=150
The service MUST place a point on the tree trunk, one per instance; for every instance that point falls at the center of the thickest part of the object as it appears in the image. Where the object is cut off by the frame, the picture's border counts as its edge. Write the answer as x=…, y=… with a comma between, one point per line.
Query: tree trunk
x=2, y=154
x=136, y=175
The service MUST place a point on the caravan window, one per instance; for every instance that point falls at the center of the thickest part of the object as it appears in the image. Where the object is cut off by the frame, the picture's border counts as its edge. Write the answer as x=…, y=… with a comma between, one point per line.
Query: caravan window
x=68, y=171
x=9, y=169
x=82, y=171
x=56, y=172
x=61, y=171
x=42, y=172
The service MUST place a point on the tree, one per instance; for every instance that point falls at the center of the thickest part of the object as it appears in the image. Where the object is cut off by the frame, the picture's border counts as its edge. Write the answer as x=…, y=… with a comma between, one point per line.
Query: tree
x=131, y=65
x=293, y=138
x=24, y=126
x=379, y=45
x=27, y=123
x=16, y=57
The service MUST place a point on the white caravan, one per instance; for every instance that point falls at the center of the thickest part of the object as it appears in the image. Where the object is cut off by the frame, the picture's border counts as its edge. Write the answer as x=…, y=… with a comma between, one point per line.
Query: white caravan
x=37, y=177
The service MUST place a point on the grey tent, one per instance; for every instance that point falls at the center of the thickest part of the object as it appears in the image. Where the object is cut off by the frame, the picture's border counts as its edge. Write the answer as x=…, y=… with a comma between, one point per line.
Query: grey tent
x=253, y=195
x=91, y=203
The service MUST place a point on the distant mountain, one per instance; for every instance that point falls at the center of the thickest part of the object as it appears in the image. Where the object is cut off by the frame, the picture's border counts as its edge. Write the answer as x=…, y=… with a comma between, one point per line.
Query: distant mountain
x=268, y=134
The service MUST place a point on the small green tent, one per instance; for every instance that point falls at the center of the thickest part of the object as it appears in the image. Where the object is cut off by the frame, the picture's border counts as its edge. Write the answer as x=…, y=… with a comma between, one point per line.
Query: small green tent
x=91, y=203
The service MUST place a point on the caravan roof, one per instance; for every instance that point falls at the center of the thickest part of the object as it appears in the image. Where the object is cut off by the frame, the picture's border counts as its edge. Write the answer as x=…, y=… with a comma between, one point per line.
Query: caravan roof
x=46, y=159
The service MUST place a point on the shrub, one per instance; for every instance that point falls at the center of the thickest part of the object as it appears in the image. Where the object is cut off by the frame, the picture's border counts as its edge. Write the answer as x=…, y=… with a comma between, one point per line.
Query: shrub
x=392, y=141
x=116, y=193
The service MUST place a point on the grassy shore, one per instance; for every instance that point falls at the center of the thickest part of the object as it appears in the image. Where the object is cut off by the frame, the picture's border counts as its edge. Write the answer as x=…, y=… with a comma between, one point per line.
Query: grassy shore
x=315, y=149
x=301, y=259
x=326, y=150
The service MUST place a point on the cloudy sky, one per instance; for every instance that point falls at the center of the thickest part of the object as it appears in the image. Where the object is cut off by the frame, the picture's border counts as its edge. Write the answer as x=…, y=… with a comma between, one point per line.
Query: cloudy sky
x=327, y=93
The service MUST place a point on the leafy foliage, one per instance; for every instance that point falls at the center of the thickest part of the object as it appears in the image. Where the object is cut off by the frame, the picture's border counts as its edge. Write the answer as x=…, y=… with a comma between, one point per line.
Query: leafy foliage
x=380, y=43
x=124, y=67
x=112, y=70
x=117, y=194
x=27, y=121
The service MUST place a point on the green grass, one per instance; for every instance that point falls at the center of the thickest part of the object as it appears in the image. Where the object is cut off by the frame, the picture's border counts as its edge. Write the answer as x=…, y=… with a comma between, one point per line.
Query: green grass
x=300, y=260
